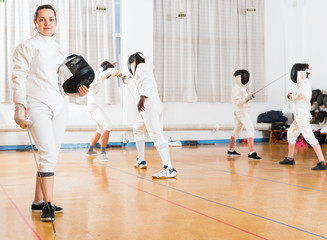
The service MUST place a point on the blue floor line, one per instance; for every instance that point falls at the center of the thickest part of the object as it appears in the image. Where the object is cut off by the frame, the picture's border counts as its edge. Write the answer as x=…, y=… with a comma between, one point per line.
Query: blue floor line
x=244, y=175
x=221, y=204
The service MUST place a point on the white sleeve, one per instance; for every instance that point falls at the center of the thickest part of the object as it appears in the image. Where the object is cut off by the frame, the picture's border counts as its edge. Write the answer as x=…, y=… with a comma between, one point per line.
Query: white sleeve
x=21, y=66
x=237, y=97
x=145, y=79
x=100, y=76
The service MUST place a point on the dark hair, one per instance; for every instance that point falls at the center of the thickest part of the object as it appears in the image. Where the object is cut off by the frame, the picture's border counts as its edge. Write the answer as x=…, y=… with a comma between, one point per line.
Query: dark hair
x=46, y=6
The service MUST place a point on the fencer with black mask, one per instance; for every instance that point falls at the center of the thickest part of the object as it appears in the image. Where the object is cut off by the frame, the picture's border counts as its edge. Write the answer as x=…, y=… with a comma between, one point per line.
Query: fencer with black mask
x=302, y=116
x=36, y=90
x=96, y=108
x=149, y=106
x=241, y=100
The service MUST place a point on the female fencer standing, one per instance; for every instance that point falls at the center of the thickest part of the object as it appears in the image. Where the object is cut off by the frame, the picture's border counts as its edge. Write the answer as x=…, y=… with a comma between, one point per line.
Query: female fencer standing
x=96, y=108
x=240, y=99
x=302, y=116
x=36, y=89
x=150, y=119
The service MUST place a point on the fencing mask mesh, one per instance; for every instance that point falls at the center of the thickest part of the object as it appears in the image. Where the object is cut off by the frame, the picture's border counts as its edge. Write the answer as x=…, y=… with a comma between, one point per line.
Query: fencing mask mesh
x=244, y=74
x=315, y=94
x=74, y=73
x=321, y=116
x=320, y=99
x=298, y=67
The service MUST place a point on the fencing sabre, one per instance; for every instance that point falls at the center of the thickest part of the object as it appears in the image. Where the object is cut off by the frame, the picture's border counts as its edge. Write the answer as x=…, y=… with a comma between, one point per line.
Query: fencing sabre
x=28, y=124
x=270, y=83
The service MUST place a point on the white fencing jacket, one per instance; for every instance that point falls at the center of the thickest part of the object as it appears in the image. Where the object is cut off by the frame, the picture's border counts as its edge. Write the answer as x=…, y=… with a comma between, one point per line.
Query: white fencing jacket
x=95, y=96
x=302, y=97
x=35, y=71
x=239, y=95
x=145, y=84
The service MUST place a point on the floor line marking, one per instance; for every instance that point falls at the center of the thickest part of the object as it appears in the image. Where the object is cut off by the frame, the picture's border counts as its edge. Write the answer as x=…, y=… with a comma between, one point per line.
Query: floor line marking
x=221, y=204
x=19, y=212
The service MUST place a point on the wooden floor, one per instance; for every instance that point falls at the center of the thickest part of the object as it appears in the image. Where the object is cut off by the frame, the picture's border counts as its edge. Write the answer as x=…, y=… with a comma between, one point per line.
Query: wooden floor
x=213, y=197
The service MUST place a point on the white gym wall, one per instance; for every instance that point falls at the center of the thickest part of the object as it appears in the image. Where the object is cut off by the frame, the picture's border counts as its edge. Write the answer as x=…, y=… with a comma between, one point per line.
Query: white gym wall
x=294, y=32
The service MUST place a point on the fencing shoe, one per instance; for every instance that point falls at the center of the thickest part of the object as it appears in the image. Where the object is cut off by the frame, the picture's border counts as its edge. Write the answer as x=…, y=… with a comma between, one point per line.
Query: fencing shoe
x=141, y=165
x=287, y=161
x=37, y=208
x=233, y=153
x=254, y=156
x=48, y=213
x=165, y=173
x=91, y=153
x=320, y=166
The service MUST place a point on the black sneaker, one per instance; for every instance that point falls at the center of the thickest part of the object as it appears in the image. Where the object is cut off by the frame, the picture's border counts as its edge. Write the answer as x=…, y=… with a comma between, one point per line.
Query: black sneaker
x=48, y=213
x=320, y=166
x=254, y=156
x=286, y=161
x=37, y=208
x=233, y=153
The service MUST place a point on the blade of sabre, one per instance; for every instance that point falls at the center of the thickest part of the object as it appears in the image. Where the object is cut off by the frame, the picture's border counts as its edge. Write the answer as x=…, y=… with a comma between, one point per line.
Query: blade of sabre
x=37, y=166
x=270, y=83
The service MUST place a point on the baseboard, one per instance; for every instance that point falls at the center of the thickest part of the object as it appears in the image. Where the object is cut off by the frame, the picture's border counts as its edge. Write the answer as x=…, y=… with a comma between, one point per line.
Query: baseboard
x=129, y=144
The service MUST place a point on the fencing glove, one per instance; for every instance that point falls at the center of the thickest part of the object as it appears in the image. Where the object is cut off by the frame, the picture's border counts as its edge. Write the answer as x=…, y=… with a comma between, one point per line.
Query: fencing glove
x=249, y=97
x=20, y=118
x=109, y=72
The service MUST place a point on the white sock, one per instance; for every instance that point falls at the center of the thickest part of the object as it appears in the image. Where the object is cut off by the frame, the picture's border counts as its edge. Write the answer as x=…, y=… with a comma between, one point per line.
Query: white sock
x=232, y=150
x=165, y=156
x=251, y=153
x=140, y=146
x=38, y=203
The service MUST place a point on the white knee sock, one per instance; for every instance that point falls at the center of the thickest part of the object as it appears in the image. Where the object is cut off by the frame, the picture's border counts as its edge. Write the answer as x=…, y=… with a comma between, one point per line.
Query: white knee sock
x=38, y=203
x=165, y=156
x=140, y=146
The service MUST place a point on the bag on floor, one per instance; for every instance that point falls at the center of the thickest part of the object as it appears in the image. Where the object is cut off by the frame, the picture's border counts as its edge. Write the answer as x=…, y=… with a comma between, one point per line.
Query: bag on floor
x=271, y=117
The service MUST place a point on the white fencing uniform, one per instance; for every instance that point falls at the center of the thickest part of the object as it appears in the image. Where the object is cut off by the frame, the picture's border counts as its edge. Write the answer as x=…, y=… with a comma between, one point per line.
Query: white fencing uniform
x=241, y=113
x=95, y=103
x=35, y=86
x=302, y=116
x=151, y=118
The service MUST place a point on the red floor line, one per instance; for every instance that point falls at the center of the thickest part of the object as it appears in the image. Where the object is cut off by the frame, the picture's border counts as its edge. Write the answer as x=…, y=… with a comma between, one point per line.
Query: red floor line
x=20, y=213
x=192, y=210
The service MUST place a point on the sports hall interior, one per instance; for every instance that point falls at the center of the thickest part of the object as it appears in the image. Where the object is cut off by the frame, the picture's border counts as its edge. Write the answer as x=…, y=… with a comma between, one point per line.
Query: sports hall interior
x=194, y=47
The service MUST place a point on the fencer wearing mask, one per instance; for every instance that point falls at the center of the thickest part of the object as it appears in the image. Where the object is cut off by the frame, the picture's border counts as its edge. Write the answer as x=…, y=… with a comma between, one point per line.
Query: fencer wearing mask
x=241, y=100
x=302, y=116
x=150, y=108
x=96, y=108
x=36, y=89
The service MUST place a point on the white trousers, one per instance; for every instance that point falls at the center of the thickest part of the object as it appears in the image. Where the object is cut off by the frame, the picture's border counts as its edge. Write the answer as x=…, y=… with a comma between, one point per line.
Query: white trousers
x=47, y=131
x=152, y=121
x=242, y=119
x=101, y=118
x=301, y=124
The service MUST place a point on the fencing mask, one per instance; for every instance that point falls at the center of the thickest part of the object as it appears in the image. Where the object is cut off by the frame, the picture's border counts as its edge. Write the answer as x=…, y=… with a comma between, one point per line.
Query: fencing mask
x=106, y=65
x=299, y=67
x=321, y=116
x=320, y=99
x=74, y=73
x=315, y=94
x=245, y=75
x=137, y=58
